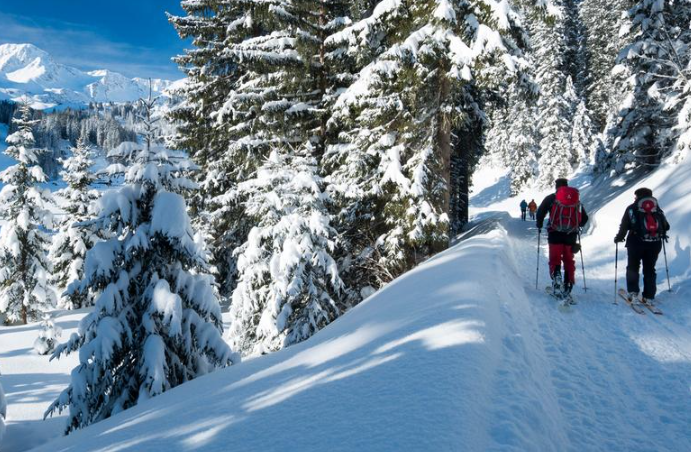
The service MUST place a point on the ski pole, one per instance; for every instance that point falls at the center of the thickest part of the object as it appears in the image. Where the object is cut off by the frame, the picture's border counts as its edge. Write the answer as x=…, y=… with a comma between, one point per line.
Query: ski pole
x=669, y=286
x=537, y=271
x=580, y=249
x=616, y=263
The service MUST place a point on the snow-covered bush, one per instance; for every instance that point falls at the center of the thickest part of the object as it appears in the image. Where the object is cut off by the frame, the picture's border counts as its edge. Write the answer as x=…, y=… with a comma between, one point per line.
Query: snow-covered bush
x=24, y=268
x=157, y=321
x=48, y=336
x=288, y=281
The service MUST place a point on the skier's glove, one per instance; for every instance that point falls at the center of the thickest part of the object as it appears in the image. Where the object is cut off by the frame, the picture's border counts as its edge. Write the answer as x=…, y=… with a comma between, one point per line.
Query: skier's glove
x=618, y=239
x=576, y=247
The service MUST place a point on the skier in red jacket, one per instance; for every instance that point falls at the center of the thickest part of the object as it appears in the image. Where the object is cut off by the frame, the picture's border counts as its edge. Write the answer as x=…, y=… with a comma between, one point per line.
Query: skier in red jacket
x=566, y=217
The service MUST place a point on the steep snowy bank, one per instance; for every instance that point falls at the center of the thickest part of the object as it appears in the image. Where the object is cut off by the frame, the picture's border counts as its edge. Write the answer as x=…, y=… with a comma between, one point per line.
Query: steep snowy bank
x=413, y=368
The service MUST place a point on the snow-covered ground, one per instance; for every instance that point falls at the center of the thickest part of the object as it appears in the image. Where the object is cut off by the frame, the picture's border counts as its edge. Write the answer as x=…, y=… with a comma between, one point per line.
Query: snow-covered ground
x=462, y=353
x=31, y=383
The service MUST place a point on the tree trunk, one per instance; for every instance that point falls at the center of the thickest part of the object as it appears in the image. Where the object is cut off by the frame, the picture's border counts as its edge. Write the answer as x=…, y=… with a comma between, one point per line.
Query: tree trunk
x=443, y=139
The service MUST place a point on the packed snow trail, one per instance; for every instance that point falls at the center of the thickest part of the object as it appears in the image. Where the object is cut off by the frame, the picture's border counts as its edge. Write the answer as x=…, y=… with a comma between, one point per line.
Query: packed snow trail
x=621, y=380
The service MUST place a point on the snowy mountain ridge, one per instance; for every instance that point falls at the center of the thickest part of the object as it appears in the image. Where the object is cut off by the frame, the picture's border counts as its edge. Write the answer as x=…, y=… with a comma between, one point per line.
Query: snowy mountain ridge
x=26, y=70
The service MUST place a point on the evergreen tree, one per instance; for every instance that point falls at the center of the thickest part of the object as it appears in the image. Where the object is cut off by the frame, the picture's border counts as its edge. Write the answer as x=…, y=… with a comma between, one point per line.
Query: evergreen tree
x=212, y=73
x=48, y=336
x=74, y=239
x=288, y=281
x=643, y=131
x=157, y=321
x=602, y=20
x=261, y=76
x=556, y=152
x=422, y=85
x=24, y=273
x=523, y=147
x=582, y=143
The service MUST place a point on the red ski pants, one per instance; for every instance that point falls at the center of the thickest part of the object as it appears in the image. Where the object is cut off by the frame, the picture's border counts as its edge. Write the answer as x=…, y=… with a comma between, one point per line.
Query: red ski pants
x=558, y=253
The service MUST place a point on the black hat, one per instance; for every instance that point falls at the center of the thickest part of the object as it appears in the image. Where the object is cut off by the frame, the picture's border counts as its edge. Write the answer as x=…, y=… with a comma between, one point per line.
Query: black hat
x=643, y=193
x=561, y=182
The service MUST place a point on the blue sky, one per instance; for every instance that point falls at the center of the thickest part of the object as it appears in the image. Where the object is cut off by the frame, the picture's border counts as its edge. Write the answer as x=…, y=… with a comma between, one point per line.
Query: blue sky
x=132, y=37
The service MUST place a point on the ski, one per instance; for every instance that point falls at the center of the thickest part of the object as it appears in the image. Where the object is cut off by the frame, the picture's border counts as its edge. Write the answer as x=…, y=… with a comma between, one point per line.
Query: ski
x=634, y=305
x=654, y=309
x=564, y=300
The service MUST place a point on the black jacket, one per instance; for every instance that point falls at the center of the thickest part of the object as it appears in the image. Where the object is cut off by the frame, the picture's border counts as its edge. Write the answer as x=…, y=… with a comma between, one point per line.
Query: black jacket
x=632, y=238
x=557, y=237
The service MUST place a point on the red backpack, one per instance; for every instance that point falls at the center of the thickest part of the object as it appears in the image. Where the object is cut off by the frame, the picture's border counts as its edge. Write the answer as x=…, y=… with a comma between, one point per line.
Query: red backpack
x=565, y=215
x=648, y=220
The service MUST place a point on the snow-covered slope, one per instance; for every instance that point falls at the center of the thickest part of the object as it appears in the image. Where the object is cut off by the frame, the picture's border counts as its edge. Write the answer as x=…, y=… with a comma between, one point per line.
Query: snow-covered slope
x=26, y=70
x=462, y=353
x=31, y=382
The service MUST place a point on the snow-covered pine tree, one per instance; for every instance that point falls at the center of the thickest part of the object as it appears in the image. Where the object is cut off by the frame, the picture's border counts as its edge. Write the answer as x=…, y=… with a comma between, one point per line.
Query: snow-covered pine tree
x=281, y=97
x=523, y=147
x=70, y=244
x=24, y=268
x=210, y=73
x=498, y=136
x=554, y=111
x=157, y=321
x=48, y=336
x=643, y=131
x=426, y=68
x=556, y=150
x=582, y=142
x=602, y=20
x=288, y=284
x=683, y=128
x=212, y=25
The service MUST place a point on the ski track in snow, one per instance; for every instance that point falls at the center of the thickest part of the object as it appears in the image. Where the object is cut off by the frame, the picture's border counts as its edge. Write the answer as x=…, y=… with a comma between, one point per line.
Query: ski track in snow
x=609, y=379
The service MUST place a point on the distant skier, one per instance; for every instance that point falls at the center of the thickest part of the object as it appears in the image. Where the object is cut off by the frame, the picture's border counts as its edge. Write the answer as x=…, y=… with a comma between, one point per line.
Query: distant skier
x=646, y=225
x=532, y=208
x=566, y=217
x=524, y=207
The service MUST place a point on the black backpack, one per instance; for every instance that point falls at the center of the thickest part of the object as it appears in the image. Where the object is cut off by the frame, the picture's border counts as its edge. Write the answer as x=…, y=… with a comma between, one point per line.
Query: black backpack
x=647, y=220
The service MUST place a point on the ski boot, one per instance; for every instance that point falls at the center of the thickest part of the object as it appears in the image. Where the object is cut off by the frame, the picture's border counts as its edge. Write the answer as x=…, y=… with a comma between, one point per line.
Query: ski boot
x=557, y=285
x=568, y=298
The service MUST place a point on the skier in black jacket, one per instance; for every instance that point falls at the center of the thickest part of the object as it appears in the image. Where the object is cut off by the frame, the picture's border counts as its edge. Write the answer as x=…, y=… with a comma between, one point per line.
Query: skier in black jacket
x=641, y=245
